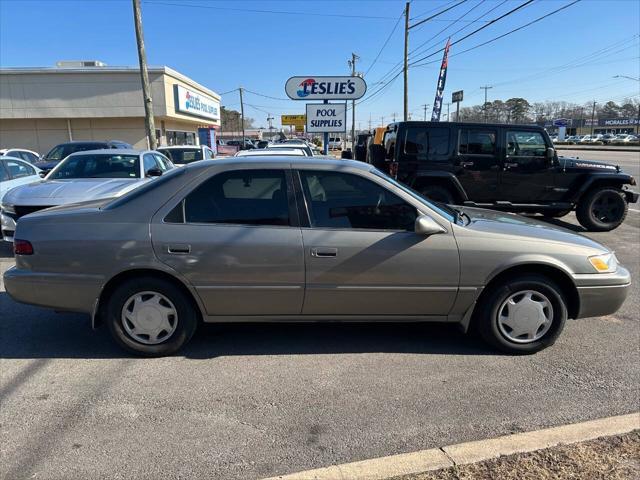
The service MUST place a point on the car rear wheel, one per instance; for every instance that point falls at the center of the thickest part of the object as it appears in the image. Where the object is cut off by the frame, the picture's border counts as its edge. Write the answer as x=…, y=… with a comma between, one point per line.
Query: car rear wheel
x=602, y=209
x=150, y=316
x=522, y=315
x=439, y=194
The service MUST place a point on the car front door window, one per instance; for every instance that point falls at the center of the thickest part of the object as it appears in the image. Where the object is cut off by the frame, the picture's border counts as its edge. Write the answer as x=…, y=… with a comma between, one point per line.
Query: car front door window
x=19, y=169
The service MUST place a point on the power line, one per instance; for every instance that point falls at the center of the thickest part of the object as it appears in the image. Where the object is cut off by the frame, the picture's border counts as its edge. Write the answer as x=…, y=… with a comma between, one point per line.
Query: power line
x=437, y=14
x=266, y=96
x=276, y=12
x=504, y=15
x=385, y=44
x=416, y=64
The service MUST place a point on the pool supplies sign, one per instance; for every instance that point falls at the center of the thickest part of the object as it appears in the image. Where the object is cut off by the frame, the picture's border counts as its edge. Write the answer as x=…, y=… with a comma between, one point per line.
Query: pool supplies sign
x=196, y=104
x=326, y=117
x=325, y=88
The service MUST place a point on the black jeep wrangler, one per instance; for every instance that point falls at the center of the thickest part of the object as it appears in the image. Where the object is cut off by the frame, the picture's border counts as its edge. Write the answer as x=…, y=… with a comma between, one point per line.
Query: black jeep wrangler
x=505, y=167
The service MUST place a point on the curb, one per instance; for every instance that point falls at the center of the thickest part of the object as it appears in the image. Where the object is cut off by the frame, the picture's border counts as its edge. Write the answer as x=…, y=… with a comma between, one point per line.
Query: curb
x=470, y=452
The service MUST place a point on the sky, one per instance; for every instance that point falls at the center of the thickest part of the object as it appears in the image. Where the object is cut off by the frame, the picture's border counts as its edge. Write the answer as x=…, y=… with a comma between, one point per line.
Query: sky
x=570, y=56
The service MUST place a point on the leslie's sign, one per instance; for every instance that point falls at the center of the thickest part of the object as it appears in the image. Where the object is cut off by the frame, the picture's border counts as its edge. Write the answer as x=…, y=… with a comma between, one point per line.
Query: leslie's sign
x=193, y=103
x=325, y=88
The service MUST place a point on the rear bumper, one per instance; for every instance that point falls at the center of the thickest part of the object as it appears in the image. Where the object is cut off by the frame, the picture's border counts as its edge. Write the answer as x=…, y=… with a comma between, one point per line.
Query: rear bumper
x=632, y=197
x=65, y=292
x=602, y=294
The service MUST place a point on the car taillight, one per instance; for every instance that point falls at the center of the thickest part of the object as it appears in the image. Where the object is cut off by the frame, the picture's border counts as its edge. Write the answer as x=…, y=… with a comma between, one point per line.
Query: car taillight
x=22, y=247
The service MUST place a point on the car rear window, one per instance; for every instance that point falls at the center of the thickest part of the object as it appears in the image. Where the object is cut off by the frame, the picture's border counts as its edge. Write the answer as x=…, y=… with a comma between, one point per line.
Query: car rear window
x=182, y=155
x=426, y=143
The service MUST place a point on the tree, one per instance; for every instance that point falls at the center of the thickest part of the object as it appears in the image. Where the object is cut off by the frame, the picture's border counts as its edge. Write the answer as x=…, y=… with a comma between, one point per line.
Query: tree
x=609, y=110
x=230, y=120
x=518, y=109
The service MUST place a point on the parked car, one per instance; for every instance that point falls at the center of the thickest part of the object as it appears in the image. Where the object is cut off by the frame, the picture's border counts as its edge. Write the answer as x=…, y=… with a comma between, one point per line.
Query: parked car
x=304, y=148
x=608, y=138
x=287, y=152
x=15, y=172
x=247, y=239
x=335, y=143
x=80, y=177
x=596, y=138
x=631, y=139
x=489, y=165
x=573, y=139
x=21, y=153
x=262, y=144
x=361, y=146
x=183, y=154
x=247, y=145
x=62, y=151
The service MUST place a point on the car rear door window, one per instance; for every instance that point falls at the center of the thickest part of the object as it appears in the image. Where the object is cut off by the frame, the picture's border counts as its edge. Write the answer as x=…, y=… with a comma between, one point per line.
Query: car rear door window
x=3, y=173
x=525, y=144
x=477, y=142
x=245, y=197
x=348, y=201
x=427, y=143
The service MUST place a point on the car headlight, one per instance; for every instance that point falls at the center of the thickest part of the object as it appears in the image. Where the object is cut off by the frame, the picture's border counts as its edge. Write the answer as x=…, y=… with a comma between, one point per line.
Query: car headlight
x=8, y=208
x=605, y=263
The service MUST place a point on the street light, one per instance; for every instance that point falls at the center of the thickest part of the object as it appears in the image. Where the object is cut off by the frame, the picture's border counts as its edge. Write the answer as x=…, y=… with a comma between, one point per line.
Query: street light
x=638, y=118
x=628, y=77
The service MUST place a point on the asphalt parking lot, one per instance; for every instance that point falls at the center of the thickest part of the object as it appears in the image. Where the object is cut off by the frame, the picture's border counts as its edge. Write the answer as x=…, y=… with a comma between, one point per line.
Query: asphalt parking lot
x=252, y=401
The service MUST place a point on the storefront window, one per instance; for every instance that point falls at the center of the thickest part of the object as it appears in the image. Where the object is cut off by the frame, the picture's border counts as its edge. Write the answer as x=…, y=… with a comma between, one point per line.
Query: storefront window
x=180, y=138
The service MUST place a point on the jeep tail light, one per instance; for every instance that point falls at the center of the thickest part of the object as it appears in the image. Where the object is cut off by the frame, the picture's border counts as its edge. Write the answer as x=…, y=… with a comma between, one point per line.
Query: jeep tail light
x=22, y=247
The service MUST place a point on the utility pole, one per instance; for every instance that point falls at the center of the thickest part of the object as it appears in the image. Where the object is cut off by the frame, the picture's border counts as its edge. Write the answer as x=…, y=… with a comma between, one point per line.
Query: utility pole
x=425, y=111
x=382, y=121
x=270, y=120
x=352, y=64
x=593, y=116
x=485, y=88
x=406, y=61
x=393, y=115
x=448, y=119
x=242, y=116
x=369, y=121
x=149, y=124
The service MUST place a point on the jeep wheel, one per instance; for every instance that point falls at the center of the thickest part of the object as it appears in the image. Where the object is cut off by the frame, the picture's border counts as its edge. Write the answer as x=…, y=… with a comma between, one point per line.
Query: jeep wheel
x=602, y=209
x=439, y=194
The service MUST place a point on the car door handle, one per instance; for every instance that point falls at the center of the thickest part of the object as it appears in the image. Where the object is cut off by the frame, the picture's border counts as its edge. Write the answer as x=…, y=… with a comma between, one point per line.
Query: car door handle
x=467, y=164
x=179, y=249
x=324, y=252
x=510, y=164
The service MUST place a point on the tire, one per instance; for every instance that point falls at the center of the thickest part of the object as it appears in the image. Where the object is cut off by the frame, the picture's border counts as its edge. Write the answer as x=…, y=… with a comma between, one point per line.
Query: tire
x=492, y=308
x=602, y=209
x=439, y=193
x=555, y=213
x=182, y=327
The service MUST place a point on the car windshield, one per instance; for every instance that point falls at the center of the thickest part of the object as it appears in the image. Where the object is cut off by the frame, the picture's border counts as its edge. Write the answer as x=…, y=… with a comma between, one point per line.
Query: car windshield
x=182, y=155
x=97, y=166
x=443, y=210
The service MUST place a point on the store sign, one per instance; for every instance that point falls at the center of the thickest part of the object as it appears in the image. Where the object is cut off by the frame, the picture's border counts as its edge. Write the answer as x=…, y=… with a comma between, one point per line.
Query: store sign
x=457, y=96
x=297, y=121
x=325, y=88
x=196, y=104
x=617, y=122
x=326, y=118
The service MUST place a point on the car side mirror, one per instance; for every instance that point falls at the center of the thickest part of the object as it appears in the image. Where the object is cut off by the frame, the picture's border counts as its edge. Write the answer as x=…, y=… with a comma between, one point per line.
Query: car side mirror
x=154, y=172
x=551, y=154
x=42, y=174
x=425, y=225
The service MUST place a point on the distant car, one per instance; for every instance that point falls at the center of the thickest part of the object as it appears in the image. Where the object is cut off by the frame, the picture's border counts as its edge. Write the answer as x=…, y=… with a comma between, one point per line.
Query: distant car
x=335, y=143
x=80, y=177
x=262, y=144
x=247, y=145
x=592, y=138
x=21, y=153
x=183, y=154
x=608, y=138
x=305, y=148
x=15, y=172
x=296, y=152
x=631, y=139
x=573, y=139
x=62, y=151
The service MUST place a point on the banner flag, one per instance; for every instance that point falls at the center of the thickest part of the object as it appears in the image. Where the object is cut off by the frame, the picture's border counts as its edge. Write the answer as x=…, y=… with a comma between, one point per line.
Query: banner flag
x=437, y=103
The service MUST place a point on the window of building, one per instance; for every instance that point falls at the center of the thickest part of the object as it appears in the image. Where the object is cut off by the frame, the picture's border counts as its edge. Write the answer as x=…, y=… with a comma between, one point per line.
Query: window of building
x=343, y=200
x=175, y=137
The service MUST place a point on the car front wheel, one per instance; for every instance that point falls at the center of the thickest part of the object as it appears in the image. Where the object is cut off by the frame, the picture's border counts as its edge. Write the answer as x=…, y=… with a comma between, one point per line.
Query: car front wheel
x=602, y=209
x=150, y=316
x=522, y=315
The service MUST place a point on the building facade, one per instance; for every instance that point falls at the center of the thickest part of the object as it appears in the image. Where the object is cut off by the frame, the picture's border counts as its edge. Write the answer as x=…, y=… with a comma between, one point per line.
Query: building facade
x=42, y=107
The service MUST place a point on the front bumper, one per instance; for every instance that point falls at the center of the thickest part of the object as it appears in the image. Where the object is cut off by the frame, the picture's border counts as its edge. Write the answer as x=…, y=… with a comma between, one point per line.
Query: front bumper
x=64, y=292
x=8, y=226
x=632, y=197
x=602, y=293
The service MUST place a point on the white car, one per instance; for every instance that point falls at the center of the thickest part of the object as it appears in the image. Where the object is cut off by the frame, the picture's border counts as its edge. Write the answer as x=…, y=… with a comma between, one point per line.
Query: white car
x=21, y=153
x=15, y=172
x=82, y=176
x=335, y=143
x=304, y=148
x=287, y=152
x=183, y=154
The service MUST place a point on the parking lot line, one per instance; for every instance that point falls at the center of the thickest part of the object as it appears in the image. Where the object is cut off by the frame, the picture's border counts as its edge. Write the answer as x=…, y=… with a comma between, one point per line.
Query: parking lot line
x=634, y=210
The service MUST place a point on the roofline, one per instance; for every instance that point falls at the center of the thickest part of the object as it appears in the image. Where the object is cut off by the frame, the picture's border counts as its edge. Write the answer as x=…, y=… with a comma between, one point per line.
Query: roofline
x=153, y=69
